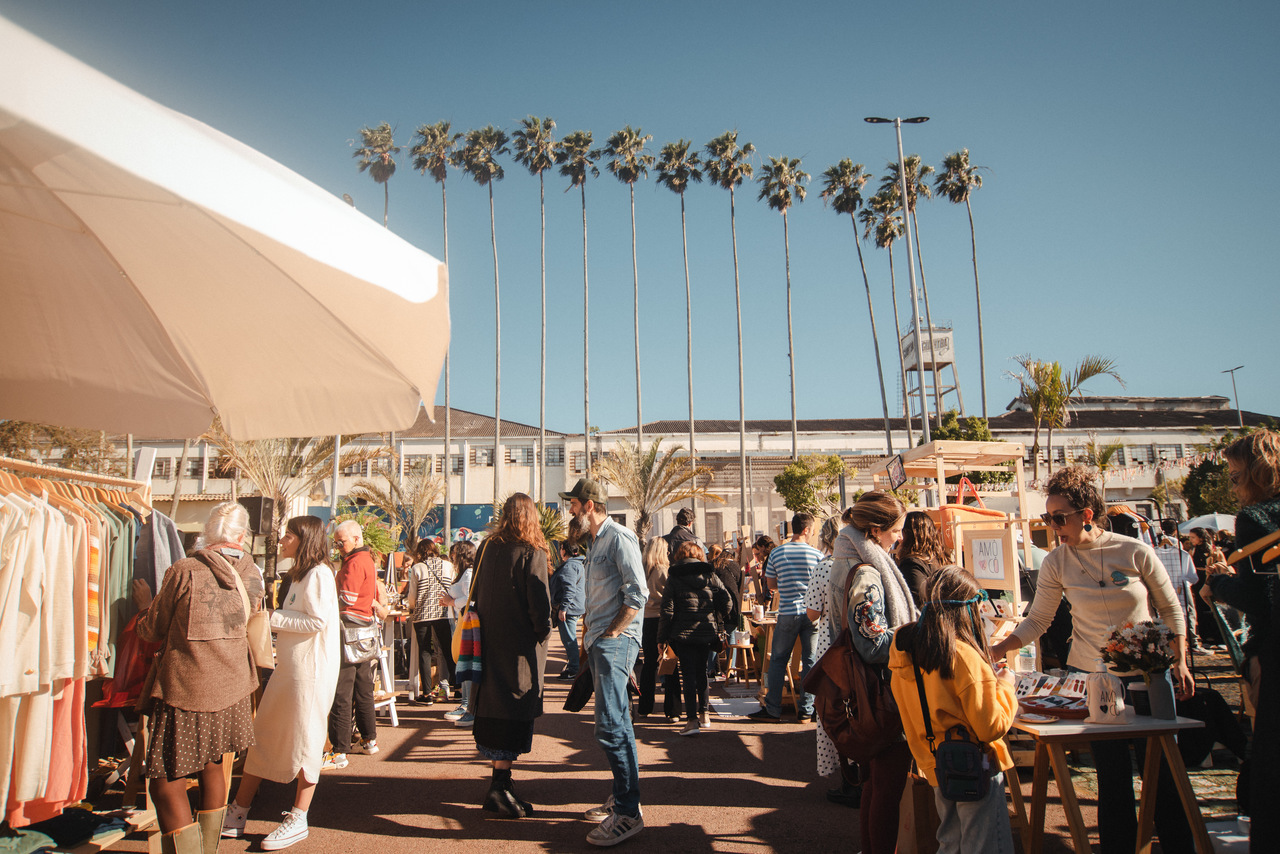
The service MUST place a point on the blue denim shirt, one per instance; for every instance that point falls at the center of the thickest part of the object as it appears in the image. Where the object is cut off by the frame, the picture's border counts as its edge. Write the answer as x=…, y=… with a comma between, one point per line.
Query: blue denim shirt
x=615, y=580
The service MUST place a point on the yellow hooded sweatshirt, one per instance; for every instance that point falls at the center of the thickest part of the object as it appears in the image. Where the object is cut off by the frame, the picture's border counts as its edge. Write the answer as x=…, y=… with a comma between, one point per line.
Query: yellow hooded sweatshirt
x=972, y=697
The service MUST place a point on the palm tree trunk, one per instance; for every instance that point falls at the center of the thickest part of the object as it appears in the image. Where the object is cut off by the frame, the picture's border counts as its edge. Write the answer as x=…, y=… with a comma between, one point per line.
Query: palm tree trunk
x=497, y=356
x=688, y=313
x=448, y=421
x=897, y=340
x=541, y=486
x=928, y=318
x=586, y=376
x=742, y=397
x=386, y=203
x=1035, y=452
x=635, y=276
x=982, y=351
x=177, y=478
x=791, y=349
x=875, y=339
x=1048, y=440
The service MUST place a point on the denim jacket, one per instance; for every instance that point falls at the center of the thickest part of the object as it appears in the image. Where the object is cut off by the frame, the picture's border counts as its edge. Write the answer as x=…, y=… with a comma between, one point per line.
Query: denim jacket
x=615, y=580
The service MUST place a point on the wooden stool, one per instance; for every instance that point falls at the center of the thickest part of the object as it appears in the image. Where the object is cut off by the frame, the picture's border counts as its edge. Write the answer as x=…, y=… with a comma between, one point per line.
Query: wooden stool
x=742, y=662
x=384, y=697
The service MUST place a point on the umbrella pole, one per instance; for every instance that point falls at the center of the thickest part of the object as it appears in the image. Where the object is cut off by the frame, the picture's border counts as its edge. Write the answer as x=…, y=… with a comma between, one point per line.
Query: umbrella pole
x=333, y=488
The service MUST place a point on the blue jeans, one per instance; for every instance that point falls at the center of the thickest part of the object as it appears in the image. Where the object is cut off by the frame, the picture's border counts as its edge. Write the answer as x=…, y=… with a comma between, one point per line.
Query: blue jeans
x=612, y=660
x=789, y=628
x=975, y=825
x=569, y=637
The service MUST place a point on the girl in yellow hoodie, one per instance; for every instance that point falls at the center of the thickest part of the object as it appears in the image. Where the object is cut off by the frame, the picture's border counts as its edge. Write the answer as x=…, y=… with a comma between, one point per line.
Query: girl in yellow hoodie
x=962, y=689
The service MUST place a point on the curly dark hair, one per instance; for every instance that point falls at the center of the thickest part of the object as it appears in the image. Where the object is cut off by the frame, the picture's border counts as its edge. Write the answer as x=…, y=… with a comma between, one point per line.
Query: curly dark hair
x=1075, y=484
x=920, y=539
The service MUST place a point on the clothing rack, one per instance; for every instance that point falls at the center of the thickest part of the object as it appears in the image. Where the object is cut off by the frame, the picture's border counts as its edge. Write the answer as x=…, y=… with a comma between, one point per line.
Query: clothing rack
x=59, y=473
x=143, y=818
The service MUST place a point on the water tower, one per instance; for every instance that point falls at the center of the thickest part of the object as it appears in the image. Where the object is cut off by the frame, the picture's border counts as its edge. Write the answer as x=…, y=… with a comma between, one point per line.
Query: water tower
x=931, y=370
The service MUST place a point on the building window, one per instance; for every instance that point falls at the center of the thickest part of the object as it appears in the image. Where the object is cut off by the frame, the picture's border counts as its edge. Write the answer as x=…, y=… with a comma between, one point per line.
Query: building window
x=416, y=463
x=195, y=467
x=221, y=467
x=1119, y=458
x=1169, y=453
x=353, y=470
x=577, y=460
x=520, y=456
x=1141, y=454
x=456, y=464
x=482, y=456
x=163, y=468
x=554, y=456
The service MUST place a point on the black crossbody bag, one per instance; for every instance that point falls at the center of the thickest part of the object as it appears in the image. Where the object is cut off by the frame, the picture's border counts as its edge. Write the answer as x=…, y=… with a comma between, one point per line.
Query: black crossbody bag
x=962, y=765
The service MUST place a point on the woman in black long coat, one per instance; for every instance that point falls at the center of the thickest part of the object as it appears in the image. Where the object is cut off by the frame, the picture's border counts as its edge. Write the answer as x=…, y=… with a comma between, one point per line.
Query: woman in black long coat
x=514, y=607
x=695, y=609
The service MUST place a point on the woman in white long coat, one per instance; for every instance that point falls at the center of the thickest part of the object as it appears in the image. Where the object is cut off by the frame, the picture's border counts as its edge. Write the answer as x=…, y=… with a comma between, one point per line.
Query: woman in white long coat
x=292, y=720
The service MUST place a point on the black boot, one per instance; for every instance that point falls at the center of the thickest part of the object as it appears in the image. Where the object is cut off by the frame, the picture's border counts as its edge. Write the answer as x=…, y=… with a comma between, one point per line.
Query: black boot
x=500, y=798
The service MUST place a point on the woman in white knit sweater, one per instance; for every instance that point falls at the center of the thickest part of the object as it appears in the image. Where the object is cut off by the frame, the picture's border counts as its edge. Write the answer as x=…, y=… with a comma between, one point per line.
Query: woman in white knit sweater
x=1108, y=580
x=292, y=720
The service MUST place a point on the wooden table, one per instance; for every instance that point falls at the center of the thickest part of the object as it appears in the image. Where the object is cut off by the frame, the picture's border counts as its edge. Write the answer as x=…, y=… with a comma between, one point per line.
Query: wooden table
x=1051, y=741
x=791, y=679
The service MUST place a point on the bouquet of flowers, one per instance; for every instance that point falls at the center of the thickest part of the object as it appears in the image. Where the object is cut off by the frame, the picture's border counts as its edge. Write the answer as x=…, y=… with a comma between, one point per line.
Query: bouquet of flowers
x=1141, y=646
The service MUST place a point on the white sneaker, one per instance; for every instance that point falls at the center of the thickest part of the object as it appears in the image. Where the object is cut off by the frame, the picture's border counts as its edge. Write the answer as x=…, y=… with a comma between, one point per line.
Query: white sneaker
x=233, y=822
x=601, y=812
x=292, y=829
x=334, y=761
x=368, y=748
x=614, y=829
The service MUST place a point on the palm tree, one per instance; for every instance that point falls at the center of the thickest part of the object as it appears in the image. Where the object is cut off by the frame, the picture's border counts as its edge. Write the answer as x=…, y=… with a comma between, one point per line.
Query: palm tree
x=957, y=182
x=478, y=157
x=842, y=188
x=653, y=479
x=407, y=498
x=676, y=168
x=432, y=153
x=536, y=150
x=577, y=163
x=881, y=222
x=1037, y=387
x=781, y=185
x=630, y=161
x=377, y=154
x=727, y=166
x=917, y=187
x=1100, y=454
x=283, y=469
x=1069, y=389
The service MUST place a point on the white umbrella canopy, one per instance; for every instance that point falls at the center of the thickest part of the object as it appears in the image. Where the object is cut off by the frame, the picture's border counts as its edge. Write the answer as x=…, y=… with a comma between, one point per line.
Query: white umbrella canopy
x=1212, y=521
x=155, y=272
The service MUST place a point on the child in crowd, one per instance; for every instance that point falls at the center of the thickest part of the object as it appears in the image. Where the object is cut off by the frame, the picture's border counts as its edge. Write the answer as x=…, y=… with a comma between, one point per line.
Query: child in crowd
x=962, y=689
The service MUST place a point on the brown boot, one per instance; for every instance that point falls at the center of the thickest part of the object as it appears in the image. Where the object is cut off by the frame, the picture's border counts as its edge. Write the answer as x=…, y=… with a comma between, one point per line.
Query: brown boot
x=210, y=822
x=184, y=840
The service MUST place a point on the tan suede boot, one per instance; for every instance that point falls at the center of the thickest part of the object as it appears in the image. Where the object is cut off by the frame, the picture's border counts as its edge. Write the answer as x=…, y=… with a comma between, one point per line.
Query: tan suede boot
x=210, y=822
x=184, y=840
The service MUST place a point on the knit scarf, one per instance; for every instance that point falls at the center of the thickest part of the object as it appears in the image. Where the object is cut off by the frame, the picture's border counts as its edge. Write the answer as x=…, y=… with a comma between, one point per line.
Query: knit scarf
x=855, y=546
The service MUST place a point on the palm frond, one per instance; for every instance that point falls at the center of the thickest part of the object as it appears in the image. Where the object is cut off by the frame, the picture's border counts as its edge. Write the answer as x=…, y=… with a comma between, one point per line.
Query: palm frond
x=434, y=149
x=536, y=147
x=653, y=479
x=377, y=152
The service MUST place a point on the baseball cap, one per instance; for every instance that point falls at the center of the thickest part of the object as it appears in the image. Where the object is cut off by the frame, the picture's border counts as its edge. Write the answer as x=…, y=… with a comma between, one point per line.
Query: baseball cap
x=587, y=489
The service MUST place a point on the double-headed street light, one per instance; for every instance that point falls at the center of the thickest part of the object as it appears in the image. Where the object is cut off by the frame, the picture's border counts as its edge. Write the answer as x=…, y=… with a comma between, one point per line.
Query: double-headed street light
x=911, y=267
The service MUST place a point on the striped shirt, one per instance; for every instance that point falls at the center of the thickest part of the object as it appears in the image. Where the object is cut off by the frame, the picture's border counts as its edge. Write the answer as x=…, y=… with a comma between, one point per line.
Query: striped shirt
x=792, y=564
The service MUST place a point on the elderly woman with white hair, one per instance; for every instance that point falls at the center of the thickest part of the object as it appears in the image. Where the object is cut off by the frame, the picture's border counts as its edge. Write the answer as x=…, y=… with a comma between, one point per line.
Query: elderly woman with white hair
x=199, y=690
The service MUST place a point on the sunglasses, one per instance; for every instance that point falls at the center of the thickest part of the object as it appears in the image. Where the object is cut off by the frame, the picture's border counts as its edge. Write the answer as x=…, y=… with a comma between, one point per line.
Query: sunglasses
x=1058, y=519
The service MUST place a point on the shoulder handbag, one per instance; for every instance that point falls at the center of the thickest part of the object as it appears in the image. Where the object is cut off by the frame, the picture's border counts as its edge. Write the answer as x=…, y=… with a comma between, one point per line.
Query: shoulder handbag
x=257, y=626
x=961, y=764
x=456, y=640
x=852, y=698
x=361, y=639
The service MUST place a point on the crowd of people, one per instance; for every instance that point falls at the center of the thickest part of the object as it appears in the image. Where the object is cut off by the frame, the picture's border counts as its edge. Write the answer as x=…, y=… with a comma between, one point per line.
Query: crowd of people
x=878, y=576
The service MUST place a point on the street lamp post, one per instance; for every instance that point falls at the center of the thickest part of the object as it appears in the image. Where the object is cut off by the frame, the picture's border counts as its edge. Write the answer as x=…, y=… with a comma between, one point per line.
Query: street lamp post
x=1236, y=394
x=911, y=269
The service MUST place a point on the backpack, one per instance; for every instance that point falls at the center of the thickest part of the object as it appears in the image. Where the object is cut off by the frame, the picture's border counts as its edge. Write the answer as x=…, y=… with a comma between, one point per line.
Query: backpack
x=852, y=699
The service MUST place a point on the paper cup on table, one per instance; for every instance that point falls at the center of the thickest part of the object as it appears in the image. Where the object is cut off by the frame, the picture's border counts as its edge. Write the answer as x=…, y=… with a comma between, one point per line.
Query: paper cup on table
x=758, y=612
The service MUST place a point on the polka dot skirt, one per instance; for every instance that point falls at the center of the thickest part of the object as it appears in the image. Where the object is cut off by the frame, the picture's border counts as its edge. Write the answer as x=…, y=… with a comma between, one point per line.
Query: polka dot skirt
x=181, y=743
x=816, y=598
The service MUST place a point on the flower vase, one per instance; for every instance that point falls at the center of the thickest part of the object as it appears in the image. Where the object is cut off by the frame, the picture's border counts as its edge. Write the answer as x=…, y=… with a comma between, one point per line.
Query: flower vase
x=1160, y=692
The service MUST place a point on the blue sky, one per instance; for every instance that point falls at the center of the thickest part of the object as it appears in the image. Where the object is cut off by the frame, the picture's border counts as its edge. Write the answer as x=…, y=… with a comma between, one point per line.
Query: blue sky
x=1125, y=212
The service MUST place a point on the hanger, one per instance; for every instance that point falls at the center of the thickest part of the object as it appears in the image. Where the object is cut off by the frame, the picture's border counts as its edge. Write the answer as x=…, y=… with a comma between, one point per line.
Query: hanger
x=1257, y=546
